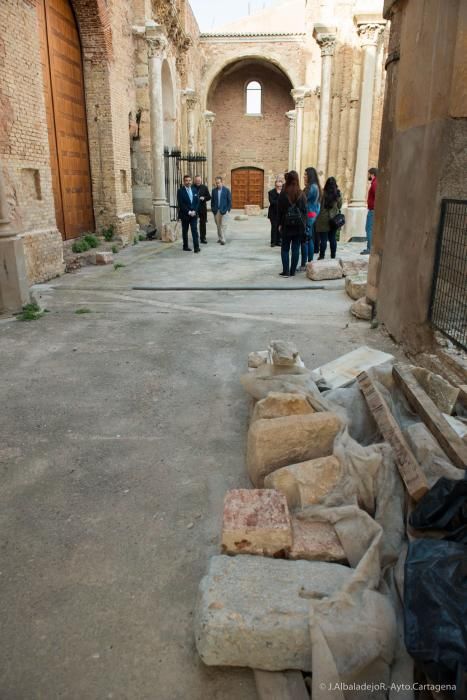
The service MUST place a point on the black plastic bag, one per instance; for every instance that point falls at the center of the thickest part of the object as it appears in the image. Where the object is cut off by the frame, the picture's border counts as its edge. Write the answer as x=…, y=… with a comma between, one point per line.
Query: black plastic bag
x=444, y=507
x=435, y=611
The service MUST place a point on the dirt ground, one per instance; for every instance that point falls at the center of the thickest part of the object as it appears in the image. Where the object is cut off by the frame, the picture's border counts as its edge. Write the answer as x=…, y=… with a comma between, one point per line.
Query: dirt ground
x=121, y=430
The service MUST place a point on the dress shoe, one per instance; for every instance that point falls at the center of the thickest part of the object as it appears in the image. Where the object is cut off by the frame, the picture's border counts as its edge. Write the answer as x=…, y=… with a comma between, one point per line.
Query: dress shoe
x=189, y=249
x=203, y=240
x=222, y=242
x=197, y=250
x=283, y=274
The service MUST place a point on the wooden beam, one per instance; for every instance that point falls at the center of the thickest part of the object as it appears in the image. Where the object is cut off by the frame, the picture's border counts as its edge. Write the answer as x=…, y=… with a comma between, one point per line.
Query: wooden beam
x=409, y=468
x=280, y=685
x=447, y=437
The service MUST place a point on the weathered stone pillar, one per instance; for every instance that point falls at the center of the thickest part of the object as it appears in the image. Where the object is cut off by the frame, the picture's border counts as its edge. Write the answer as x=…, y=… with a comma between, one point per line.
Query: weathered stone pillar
x=325, y=37
x=14, y=288
x=157, y=43
x=191, y=100
x=291, y=116
x=299, y=95
x=209, y=118
x=369, y=28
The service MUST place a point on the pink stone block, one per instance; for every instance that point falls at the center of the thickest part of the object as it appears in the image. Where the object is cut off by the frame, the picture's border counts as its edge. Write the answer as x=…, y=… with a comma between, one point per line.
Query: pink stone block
x=256, y=521
x=316, y=541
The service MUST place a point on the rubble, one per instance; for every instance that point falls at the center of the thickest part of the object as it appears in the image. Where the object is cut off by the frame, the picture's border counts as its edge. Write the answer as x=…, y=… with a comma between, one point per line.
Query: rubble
x=354, y=266
x=324, y=270
x=278, y=442
x=315, y=541
x=283, y=353
x=256, y=521
x=355, y=286
x=306, y=483
x=441, y=392
x=361, y=309
x=104, y=258
x=277, y=404
x=258, y=358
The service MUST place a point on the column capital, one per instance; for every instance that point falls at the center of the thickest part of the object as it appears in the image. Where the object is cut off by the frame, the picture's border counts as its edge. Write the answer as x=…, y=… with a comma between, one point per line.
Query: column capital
x=291, y=114
x=209, y=117
x=156, y=40
x=325, y=36
x=299, y=95
x=191, y=98
x=369, y=27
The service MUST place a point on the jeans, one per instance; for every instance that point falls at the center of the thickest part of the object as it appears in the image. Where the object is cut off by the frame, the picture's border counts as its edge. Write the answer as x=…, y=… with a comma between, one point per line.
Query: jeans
x=323, y=242
x=308, y=250
x=369, y=227
x=192, y=223
x=287, y=241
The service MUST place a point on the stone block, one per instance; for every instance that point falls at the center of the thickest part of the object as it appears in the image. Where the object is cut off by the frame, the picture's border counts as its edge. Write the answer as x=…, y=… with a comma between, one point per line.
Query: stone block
x=277, y=442
x=343, y=370
x=104, y=258
x=276, y=405
x=241, y=217
x=283, y=353
x=356, y=266
x=429, y=454
x=315, y=541
x=254, y=611
x=361, y=309
x=260, y=357
x=355, y=286
x=168, y=234
x=323, y=270
x=252, y=210
x=256, y=521
x=441, y=392
x=306, y=483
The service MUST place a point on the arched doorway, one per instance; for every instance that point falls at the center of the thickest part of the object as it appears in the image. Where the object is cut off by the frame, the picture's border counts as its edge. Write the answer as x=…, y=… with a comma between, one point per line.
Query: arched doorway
x=247, y=187
x=66, y=117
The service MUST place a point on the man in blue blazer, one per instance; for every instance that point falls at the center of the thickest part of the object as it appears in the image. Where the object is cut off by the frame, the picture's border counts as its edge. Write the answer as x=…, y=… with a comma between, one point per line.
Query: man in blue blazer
x=221, y=204
x=188, y=205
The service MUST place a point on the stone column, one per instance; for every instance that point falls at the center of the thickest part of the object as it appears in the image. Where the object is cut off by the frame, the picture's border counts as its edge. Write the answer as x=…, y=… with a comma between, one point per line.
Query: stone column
x=291, y=116
x=14, y=287
x=209, y=118
x=326, y=39
x=191, y=100
x=369, y=29
x=157, y=43
x=299, y=95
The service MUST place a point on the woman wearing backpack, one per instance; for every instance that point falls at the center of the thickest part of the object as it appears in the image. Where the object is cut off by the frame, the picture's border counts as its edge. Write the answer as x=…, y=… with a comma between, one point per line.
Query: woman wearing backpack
x=291, y=209
x=331, y=202
x=313, y=195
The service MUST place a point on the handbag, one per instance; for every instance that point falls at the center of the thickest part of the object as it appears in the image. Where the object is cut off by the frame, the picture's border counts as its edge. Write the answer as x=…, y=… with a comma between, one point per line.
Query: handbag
x=337, y=221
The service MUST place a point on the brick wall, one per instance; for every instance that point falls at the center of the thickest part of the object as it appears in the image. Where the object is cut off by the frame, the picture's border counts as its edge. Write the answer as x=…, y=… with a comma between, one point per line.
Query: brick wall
x=257, y=141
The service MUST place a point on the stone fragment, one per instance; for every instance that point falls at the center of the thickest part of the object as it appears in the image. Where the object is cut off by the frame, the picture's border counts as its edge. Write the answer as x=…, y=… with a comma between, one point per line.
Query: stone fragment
x=277, y=442
x=323, y=270
x=104, y=258
x=283, y=352
x=441, y=392
x=306, y=483
x=256, y=521
x=260, y=357
x=252, y=210
x=343, y=370
x=354, y=267
x=429, y=454
x=361, y=309
x=457, y=425
x=254, y=611
x=241, y=217
x=315, y=541
x=276, y=405
x=355, y=286
x=168, y=234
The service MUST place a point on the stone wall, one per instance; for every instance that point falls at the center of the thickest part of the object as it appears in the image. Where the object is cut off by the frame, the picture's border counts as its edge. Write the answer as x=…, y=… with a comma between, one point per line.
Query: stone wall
x=241, y=140
x=425, y=157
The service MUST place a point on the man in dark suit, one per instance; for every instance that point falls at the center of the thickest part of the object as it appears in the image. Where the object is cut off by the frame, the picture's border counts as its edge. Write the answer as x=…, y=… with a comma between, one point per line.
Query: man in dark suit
x=188, y=204
x=221, y=204
x=204, y=197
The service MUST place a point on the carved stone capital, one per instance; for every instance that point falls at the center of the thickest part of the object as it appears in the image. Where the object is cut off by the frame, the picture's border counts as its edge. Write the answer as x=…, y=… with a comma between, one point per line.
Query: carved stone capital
x=156, y=40
x=369, y=28
x=291, y=114
x=299, y=95
x=191, y=98
x=325, y=37
x=209, y=118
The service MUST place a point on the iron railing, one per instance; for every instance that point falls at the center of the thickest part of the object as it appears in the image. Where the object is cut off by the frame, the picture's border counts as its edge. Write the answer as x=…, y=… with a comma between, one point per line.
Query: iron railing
x=448, y=308
x=178, y=164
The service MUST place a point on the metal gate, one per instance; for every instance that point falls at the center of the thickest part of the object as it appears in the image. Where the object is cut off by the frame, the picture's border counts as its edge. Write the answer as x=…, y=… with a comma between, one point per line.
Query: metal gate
x=448, y=309
x=178, y=164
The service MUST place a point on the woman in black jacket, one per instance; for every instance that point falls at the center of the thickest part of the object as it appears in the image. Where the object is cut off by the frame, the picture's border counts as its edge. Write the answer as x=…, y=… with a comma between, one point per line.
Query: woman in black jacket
x=272, y=211
x=331, y=204
x=291, y=209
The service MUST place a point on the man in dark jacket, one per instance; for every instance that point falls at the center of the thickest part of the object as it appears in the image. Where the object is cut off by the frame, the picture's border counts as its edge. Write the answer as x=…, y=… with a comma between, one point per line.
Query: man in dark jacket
x=188, y=203
x=221, y=204
x=204, y=197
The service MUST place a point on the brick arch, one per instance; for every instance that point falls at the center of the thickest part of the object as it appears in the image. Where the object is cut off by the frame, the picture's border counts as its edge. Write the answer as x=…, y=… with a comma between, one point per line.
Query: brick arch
x=94, y=28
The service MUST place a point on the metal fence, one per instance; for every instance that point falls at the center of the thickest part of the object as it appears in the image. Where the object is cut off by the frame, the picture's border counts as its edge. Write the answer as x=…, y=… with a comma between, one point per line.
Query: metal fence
x=178, y=164
x=448, y=309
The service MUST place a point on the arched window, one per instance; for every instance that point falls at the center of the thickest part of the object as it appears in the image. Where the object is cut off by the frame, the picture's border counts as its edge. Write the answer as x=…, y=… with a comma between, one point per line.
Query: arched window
x=253, y=97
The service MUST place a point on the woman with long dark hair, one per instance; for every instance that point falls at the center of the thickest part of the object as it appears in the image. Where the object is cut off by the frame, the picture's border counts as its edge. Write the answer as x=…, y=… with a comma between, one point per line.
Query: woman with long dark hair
x=291, y=208
x=331, y=202
x=313, y=195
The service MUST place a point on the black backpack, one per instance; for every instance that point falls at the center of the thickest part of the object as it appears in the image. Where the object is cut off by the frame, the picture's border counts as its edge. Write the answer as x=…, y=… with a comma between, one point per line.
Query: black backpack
x=294, y=218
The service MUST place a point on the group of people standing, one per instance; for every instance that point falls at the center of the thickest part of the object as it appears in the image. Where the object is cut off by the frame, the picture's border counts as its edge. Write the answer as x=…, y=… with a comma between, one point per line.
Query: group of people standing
x=192, y=199
x=304, y=221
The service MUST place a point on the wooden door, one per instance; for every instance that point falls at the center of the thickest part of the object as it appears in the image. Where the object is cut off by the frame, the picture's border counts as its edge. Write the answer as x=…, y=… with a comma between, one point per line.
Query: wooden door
x=247, y=187
x=66, y=117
